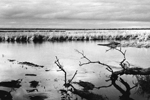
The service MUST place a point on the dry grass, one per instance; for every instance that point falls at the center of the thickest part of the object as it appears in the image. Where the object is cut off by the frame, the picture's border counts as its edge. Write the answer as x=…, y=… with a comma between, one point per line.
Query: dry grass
x=74, y=35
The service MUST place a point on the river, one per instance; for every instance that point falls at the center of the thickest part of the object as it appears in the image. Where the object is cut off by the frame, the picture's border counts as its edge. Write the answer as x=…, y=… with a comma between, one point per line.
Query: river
x=45, y=54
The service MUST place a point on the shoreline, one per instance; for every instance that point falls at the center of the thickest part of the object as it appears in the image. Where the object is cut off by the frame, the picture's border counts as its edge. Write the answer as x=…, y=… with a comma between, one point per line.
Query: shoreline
x=139, y=38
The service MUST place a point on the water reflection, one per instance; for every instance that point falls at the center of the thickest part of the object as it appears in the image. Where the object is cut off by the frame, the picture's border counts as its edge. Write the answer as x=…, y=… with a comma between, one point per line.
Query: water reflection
x=50, y=80
x=144, y=85
x=4, y=95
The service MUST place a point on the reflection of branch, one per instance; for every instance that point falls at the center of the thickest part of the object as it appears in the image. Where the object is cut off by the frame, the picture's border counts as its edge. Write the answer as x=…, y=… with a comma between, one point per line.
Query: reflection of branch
x=135, y=85
x=114, y=75
x=126, y=85
x=104, y=86
x=144, y=84
x=118, y=87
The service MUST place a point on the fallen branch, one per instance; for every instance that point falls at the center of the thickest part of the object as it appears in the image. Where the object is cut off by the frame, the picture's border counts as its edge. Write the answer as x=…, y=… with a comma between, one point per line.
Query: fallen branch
x=133, y=71
x=89, y=61
x=114, y=75
x=61, y=68
x=67, y=83
x=73, y=77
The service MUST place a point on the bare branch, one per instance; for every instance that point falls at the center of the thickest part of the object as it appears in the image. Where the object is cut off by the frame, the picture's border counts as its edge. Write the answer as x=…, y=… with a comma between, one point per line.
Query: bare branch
x=67, y=83
x=109, y=70
x=133, y=71
x=61, y=68
x=83, y=56
x=73, y=76
x=89, y=62
x=59, y=65
x=122, y=64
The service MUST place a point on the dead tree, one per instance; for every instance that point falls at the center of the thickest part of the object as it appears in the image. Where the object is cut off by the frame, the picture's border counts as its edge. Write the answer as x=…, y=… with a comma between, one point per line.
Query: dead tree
x=67, y=82
x=116, y=75
x=82, y=93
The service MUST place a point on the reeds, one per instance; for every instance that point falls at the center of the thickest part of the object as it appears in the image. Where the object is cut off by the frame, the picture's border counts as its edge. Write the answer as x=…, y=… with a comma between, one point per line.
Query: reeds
x=74, y=35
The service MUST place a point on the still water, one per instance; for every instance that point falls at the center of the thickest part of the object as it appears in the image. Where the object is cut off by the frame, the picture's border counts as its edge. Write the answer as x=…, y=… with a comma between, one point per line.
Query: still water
x=45, y=54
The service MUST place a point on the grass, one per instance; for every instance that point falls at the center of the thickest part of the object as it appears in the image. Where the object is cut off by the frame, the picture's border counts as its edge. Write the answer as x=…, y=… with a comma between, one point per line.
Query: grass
x=73, y=35
x=137, y=44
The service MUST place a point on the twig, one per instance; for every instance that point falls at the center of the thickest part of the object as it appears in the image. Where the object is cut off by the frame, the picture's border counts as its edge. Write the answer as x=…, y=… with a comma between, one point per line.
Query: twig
x=67, y=84
x=61, y=68
x=83, y=56
x=122, y=64
x=73, y=76
x=89, y=62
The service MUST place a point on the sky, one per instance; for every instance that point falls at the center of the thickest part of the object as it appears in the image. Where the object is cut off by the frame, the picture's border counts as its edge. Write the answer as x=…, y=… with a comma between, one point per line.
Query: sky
x=75, y=13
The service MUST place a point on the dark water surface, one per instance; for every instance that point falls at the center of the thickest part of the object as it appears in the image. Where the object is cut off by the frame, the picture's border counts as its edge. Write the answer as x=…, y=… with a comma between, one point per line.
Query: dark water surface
x=50, y=80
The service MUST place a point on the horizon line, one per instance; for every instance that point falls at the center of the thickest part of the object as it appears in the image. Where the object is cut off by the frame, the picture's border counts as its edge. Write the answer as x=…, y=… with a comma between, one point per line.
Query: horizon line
x=74, y=28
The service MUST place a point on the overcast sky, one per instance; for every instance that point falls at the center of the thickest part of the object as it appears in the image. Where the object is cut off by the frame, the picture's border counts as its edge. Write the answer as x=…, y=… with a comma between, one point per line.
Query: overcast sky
x=75, y=13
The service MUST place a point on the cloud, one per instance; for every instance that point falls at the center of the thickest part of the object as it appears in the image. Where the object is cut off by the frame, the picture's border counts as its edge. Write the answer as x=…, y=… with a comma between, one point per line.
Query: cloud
x=54, y=12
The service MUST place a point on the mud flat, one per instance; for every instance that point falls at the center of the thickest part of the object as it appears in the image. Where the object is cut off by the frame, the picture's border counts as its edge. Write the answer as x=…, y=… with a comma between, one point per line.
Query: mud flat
x=20, y=81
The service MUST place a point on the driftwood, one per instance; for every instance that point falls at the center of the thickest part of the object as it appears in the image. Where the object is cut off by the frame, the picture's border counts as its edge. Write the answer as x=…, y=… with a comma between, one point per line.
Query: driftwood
x=67, y=82
x=133, y=71
x=115, y=75
x=85, y=93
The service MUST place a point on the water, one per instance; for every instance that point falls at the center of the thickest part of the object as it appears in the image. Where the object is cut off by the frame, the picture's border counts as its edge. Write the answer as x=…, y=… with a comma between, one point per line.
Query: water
x=45, y=54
